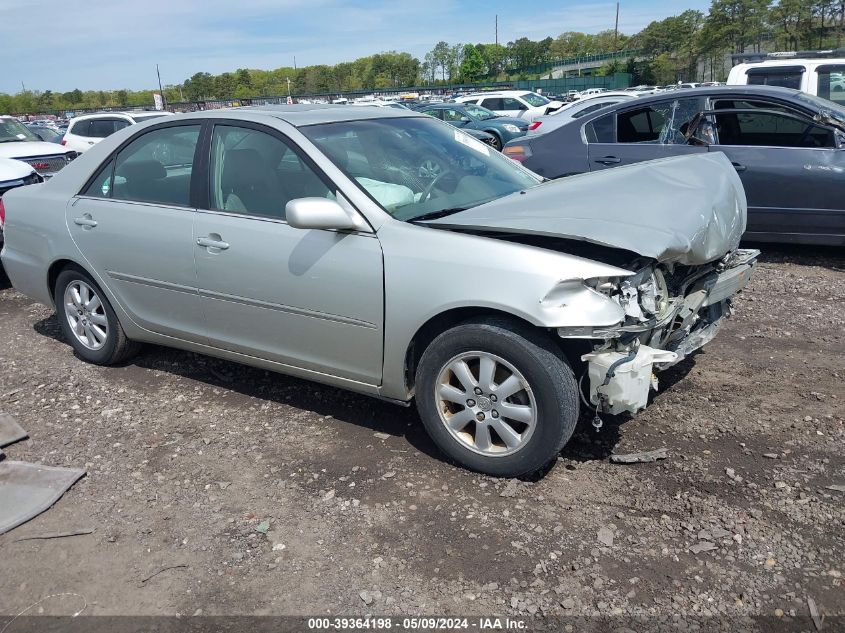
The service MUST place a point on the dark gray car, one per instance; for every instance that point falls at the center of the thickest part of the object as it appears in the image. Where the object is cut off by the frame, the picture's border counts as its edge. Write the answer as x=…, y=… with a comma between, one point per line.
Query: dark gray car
x=787, y=146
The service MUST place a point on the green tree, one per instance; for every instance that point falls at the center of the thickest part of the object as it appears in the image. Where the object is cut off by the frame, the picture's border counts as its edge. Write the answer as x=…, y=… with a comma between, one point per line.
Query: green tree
x=472, y=66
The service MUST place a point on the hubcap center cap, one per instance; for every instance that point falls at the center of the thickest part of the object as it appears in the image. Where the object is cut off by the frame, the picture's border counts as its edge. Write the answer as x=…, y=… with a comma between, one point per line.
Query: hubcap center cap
x=484, y=403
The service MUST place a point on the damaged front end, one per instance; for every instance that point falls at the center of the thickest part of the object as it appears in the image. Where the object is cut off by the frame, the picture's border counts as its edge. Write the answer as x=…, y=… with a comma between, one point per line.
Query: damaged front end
x=670, y=311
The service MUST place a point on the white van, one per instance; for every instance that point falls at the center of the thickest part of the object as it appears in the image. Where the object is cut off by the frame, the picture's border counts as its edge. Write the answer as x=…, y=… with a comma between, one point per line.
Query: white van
x=824, y=77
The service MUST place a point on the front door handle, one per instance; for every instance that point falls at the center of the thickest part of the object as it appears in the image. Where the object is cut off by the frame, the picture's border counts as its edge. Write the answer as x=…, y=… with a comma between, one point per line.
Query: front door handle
x=739, y=167
x=86, y=221
x=609, y=160
x=211, y=242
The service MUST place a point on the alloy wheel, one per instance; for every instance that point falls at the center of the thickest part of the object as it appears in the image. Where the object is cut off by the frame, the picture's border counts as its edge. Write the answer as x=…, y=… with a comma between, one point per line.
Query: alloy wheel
x=486, y=404
x=86, y=315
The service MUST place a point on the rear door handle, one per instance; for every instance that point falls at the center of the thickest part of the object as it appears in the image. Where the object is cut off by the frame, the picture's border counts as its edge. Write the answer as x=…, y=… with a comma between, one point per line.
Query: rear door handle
x=609, y=160
x=86, y=221
x=739, y=167
x=210, y=242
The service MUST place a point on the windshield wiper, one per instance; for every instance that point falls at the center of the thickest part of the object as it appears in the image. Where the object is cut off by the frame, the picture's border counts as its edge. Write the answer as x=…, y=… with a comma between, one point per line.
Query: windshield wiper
x=434, y=215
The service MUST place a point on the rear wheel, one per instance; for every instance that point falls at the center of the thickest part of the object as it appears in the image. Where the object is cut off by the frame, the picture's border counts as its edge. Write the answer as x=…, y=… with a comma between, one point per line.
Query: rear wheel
x=88, y=321
x=496, y=143
x=497, y=397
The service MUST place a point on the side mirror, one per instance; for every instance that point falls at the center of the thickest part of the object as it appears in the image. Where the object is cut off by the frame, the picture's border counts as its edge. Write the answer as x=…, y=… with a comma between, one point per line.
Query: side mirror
x=319, y=213
x=465, y=119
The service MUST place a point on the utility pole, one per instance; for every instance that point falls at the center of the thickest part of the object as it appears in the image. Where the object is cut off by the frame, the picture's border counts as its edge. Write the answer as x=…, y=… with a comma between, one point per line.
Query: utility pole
x=497, y=29
x=161, y=91
x=616, y=30
x=294, y=62
x=288, y=80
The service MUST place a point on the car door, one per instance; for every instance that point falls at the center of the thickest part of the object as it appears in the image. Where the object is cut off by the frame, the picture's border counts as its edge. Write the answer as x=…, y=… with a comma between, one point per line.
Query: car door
x=792, y=169
x=133, y=224
x=644, y=132
x=312, y=299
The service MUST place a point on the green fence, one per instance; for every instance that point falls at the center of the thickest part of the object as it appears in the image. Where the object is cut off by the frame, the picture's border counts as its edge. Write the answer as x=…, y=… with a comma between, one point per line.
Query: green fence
x=586, y=60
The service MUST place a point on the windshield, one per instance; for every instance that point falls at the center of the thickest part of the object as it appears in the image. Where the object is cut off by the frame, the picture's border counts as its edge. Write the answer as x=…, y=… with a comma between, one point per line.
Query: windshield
x=12, y=130
x=477, y=112
x=418, y=167
x=534, y=100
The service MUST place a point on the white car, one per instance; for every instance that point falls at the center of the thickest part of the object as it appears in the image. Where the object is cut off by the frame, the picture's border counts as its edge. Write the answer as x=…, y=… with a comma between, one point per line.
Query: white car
x=576, y=110
x=19, y=142
x=14, y=173
x=823, y=76
x=86, y=130
x=522, y=104
x=591, y=92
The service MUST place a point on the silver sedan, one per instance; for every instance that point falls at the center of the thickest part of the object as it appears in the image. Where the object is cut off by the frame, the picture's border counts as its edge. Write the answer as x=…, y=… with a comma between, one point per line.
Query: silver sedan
x=385, y=252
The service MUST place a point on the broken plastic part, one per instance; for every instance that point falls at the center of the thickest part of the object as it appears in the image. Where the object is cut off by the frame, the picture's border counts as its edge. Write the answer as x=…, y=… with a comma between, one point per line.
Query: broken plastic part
x=618, y=387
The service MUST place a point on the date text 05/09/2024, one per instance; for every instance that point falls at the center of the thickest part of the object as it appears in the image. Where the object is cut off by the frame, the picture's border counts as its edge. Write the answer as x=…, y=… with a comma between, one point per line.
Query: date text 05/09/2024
x=416, y=624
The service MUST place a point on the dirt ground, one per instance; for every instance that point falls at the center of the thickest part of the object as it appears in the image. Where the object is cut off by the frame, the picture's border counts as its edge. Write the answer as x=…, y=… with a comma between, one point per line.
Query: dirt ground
x=254, y=493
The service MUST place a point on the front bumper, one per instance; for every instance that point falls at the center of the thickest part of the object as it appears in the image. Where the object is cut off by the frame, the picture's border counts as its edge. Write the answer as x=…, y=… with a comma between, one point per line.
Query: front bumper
x=621, y=367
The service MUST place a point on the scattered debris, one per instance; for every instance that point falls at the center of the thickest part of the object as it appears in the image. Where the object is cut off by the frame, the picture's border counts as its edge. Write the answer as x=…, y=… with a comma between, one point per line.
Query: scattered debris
x=381, y=436
x=263, y=526
x=814, y=613
x=30, y=489
x=646, y=457
x=45, y=598
x=366, y=596
x=162, y=570
x=329, y=495
x=511, y=489
x=52, y=535
x=10, y=430
x=703, y=546
x=836, y=487
x=770, y=455
x=388, y=475
x=605, y=536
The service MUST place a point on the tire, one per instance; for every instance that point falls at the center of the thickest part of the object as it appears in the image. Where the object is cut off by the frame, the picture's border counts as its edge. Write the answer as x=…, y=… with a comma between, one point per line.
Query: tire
x=496, y=142
x=517, y=446
x=102, y=340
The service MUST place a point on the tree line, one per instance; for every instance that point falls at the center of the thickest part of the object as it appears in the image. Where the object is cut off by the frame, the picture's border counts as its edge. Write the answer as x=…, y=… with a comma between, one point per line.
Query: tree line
x=690, y=46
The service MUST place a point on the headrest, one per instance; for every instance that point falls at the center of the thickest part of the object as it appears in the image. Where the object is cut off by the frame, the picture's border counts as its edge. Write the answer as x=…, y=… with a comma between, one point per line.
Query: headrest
x=242, y=165
x=142, y=170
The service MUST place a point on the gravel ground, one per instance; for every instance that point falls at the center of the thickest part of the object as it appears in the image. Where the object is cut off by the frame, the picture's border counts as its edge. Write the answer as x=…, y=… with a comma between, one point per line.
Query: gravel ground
x=260, y=494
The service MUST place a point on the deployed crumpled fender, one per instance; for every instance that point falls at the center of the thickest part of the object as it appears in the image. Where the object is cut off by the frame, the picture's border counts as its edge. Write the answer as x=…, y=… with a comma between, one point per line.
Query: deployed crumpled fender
x=687, y=210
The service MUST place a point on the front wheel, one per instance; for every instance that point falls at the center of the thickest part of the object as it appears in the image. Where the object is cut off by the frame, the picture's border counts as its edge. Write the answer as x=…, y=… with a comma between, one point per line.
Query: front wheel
x=497, y=397
x=88, y=321
x=496, y=143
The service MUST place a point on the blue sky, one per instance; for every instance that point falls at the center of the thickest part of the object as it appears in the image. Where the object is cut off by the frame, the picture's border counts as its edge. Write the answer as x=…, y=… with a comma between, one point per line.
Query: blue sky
x=112, y=44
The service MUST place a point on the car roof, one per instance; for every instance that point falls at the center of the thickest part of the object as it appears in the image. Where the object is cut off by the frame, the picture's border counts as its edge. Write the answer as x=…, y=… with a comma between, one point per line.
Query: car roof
x=708, y=91
x=793, y=61
x=498, y=93
x=99, y=115
x=314, y=113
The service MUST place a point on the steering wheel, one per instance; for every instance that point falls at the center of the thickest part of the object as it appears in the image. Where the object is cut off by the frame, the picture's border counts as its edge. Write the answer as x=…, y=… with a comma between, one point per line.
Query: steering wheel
x=427, y=191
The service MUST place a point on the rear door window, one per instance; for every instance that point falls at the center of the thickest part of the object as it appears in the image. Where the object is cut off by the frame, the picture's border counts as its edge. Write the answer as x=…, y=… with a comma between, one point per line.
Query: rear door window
x=156, y=167
x=80, y=128
x=783, y=76
x=660, y=122
x=493, y=103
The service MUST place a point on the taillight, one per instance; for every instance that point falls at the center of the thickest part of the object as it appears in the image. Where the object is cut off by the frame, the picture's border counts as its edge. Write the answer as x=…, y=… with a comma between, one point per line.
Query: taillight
x=64, y=142
x=535, y=125
x=517, y=152
x=2, y=214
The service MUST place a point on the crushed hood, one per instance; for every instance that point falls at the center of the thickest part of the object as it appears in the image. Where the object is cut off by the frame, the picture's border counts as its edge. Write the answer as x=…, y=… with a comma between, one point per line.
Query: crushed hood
x=687, y=210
